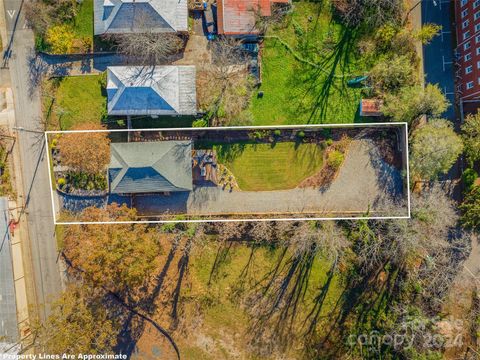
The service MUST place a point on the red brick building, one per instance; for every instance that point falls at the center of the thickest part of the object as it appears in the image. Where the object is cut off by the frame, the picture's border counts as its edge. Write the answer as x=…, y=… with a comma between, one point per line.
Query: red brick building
x=467, y=21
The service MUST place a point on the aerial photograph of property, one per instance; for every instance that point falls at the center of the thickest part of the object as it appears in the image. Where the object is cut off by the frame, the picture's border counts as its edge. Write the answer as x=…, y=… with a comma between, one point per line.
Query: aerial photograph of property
x=240, y=179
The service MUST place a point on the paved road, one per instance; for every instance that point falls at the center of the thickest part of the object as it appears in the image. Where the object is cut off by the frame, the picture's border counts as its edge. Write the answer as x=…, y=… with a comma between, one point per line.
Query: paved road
x=438, y=55
x=34, y=164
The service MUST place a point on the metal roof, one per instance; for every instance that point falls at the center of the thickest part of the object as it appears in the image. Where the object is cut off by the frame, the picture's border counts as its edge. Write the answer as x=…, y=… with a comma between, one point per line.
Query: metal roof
x=126, y=16
x=8, y=307
x=151, y=90
x=237, y=17
x=144, y=167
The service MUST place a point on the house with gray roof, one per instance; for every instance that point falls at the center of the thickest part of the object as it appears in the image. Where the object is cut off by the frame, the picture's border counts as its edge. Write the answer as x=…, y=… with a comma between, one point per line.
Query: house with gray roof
x=151, y=90
x=150, y=167
x=127, y=16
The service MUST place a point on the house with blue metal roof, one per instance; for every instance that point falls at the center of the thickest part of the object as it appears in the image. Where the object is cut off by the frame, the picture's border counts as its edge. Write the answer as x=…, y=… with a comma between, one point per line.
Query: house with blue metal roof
x=150, y=167
x=130, y=16
x=151, y=90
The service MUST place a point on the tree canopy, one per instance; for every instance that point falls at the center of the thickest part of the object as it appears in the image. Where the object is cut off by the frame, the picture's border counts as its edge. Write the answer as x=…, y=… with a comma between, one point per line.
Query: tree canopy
x=412, y=102
x=87, y=153
x=471, y=137
x=120, y=257
x=78, y=323
x=434, y=149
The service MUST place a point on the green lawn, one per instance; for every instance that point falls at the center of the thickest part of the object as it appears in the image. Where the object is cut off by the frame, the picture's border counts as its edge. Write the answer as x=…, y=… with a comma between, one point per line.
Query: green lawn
x=278, y=166
x=296, y=92
x=84, y=20
x=78, y=99
x=220, y=284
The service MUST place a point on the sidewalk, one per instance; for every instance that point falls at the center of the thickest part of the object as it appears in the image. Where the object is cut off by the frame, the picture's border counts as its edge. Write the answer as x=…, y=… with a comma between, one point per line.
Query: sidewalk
x=19, y=236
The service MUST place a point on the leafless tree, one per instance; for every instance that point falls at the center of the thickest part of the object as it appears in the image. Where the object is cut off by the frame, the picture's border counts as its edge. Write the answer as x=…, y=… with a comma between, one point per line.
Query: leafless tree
x=373, y=13
x=145, y=45
x=224, y=86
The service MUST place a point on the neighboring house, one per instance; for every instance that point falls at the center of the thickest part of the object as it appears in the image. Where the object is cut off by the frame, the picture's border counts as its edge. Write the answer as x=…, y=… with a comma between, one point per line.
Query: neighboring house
x=9, y=334
x=239, y=17
x=159, y=90
x=127, y=16
x=467, y=20
x=150, y=167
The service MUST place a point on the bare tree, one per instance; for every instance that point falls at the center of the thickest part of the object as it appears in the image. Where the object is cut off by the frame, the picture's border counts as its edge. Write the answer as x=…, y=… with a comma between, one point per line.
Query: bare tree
x=144, y=44
x=225, y=85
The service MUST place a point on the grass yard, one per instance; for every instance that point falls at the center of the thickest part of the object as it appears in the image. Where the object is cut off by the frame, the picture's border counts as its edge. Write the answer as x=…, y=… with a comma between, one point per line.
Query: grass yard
x=278, y=166
x=222, y=279
x=298, y=93
x=76, y=100
x=84, y=20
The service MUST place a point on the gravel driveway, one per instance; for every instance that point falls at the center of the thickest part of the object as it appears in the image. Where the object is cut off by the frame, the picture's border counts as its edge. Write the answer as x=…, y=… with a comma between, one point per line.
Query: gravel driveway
x=364, y=182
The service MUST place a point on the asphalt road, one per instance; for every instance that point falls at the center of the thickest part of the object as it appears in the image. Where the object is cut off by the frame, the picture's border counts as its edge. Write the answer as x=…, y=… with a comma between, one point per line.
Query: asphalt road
x=34, y=162
x=438, y=55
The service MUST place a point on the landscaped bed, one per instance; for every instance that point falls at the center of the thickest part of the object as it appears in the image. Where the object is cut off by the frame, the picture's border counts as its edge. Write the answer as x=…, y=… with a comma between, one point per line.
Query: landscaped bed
x=295, y=91
x=70, y=27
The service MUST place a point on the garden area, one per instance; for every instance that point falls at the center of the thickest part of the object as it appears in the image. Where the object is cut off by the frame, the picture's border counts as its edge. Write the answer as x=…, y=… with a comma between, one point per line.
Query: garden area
x=307, y=60
x=62, y=27
x=74, y=100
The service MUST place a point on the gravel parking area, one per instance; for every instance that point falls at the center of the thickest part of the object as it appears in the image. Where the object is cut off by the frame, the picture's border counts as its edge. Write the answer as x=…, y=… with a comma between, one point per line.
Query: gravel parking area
x=364, y=182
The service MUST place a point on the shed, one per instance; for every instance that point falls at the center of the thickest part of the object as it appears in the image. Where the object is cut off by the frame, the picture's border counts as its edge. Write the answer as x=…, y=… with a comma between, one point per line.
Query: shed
x=371, y=107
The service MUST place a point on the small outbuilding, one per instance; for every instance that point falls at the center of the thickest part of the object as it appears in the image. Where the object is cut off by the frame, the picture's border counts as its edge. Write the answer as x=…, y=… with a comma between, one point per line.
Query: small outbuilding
x=151, y=90
x=371, y=107
x=150, y=167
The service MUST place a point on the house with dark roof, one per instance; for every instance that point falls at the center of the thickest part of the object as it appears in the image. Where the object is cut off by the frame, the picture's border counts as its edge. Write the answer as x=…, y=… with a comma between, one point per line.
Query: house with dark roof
x=127, y=16
x=150, y=167
x=151, y=90
x=239, y=17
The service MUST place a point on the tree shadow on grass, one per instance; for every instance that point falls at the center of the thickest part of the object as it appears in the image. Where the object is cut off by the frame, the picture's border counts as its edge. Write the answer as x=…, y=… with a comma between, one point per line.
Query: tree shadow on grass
x=322, y=81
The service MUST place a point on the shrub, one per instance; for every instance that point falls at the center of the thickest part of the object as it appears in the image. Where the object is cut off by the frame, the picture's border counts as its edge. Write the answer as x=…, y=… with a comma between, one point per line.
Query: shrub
x=60, y=39
x=61, y=182
x=54, y=143
x=277, y=132
x=335, y=159
x=469, y=176
x=329, y=142
x=301, y=134
x=200, y=123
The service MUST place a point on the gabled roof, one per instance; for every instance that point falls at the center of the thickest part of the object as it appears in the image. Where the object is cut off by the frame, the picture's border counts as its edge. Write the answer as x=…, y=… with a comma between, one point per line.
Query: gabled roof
x=147, y=90
x=126, y=16
x=238, y=17
x=146, y=167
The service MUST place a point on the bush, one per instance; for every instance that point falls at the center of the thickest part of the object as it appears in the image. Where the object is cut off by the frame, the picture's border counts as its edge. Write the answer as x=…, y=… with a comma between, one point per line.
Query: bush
x=277, y=132
x=60, y=39
x=469, y=176
x=61, y=182
x=200, y=123
x=301, y=134
x=335, y=159
x=54, y=143
x=329, y=142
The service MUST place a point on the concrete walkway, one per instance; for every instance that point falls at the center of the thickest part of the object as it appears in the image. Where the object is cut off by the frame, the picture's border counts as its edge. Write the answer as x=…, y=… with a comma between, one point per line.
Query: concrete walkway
x=364, y=182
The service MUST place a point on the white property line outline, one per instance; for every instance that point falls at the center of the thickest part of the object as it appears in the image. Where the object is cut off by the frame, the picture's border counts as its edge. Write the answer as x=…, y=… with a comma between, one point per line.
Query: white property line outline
x=390, y=124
